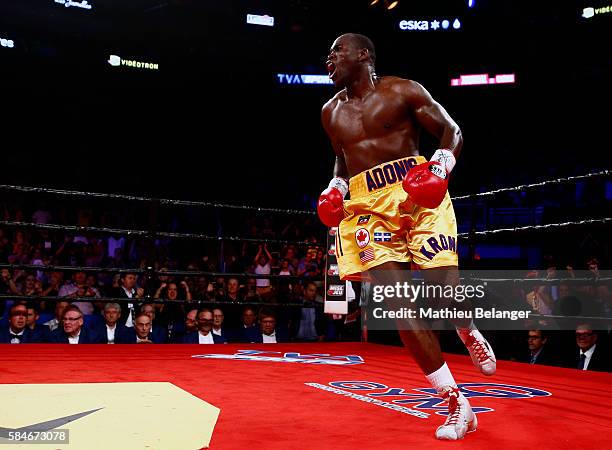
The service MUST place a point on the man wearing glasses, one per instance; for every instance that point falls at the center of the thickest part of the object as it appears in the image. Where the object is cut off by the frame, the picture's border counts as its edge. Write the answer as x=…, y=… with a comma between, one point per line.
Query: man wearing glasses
x=204, y=334
x=590, y=355
x=539, y=352
x=268, y=332
x=72, y=330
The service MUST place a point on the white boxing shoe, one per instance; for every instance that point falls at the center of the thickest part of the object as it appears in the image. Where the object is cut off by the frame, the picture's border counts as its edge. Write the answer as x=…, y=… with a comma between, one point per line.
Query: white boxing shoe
x=460, y=420
x=480, y=351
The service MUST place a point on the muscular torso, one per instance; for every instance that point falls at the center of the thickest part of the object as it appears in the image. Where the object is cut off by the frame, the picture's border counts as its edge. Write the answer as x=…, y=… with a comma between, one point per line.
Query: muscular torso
x=375, y=129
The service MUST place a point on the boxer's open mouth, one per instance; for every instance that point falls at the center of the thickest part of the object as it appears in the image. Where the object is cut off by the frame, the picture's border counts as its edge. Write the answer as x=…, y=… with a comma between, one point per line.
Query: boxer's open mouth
x=331, y=69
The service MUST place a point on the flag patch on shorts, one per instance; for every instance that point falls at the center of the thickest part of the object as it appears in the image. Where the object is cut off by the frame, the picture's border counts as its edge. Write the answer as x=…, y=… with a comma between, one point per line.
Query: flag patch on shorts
x=363, y=219
x=382, y=236
x=366, y=255
x=362, y=237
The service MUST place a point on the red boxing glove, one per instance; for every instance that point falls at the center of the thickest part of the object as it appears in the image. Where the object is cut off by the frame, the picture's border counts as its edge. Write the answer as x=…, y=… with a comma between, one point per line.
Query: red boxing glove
x=331, y=202
x=426, y=184
x=330, y=207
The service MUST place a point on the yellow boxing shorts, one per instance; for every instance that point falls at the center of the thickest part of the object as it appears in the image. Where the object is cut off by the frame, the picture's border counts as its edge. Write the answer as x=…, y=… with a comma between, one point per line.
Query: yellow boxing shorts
x=381, y=224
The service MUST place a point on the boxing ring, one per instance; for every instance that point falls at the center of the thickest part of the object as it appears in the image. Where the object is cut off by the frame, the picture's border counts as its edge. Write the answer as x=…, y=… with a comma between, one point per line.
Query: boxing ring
x=293, y=395
x=333, y=395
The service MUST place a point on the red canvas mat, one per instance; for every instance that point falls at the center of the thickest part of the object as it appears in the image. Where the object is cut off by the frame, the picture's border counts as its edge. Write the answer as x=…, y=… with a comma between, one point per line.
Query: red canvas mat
x=288, y=396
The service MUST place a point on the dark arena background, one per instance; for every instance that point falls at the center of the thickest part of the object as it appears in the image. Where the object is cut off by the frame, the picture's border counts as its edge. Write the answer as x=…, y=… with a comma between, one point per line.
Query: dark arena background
x=162, y=162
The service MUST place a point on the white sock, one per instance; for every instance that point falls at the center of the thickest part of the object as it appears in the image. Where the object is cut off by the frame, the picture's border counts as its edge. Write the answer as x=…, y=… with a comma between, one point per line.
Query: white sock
x=441, y=378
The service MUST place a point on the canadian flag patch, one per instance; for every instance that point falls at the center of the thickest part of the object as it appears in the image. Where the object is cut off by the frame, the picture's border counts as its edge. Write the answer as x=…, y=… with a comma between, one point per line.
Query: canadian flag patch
x=362, y=237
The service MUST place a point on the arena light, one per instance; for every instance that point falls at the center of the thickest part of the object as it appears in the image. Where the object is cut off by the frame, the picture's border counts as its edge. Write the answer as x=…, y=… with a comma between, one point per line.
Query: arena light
x=392, y=4
x=8, y=43
x=388, y=4
x=481, y=79
x=255, y=19
x=84, y=4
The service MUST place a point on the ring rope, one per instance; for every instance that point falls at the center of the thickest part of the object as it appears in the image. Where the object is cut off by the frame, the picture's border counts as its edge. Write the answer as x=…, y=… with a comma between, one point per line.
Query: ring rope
x=150, y=271
x=161, y=201
x=523, y=187
x=173, y=202
x=185, y=273
x=536, y=227
x=148, y=234
x=539, y=280
x=195, y=303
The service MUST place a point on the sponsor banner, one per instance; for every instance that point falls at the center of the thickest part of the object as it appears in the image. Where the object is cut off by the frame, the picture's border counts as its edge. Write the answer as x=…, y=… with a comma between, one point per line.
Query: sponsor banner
x=423, y=402
x=336, y=301
x=291, y=78
x=84, y=4
x=118, y=61
x=286, y=357
x=255, y=19
x=439, y=24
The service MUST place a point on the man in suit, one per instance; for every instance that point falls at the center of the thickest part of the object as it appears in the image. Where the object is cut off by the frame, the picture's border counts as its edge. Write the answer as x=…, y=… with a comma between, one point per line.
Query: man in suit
x=309, y=323
x=159, y=332
x=111, y=329
x=16, y=332
x=72, y=330
x=267, y=332
x=590, y=354
x=204, y=335
x=40, y=333
x=189, y=326
x=141, y=332
x=247, y=326
x=539, y=352
x=128, y=288
x=218, y=328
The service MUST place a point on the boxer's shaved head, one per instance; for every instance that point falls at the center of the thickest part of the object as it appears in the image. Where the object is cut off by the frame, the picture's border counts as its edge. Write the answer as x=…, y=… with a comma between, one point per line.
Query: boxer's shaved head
x=360, y=42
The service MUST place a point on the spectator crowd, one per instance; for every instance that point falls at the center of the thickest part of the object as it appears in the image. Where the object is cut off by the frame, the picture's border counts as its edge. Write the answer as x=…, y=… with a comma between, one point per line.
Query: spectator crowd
x=235, y=301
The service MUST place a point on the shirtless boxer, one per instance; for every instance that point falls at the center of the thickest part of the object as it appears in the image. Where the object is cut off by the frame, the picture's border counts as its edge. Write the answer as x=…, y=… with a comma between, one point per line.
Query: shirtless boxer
x=373, y=124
